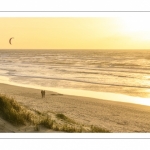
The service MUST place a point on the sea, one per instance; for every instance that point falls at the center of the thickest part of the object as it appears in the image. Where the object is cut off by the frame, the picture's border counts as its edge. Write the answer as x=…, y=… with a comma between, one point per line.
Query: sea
x=124, y=72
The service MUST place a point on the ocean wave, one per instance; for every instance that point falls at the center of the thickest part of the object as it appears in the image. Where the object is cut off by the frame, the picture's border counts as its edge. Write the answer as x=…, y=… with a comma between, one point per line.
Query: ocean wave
x=75, y=80
x=112, y=68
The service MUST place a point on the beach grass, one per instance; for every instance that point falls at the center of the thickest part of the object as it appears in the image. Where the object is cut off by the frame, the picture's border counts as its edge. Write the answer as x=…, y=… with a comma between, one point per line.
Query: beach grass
x=36, y=128
x=19, y=115
x=96, y=129
x=47, y=122
x=11, y=111
x=65, y=118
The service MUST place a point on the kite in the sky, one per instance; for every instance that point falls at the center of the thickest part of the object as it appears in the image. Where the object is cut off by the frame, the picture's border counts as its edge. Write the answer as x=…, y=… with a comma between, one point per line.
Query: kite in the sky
x=10, y=40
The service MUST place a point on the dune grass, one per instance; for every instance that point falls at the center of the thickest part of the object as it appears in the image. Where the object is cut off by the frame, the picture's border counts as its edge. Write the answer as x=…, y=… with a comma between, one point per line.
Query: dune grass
x=95, y=129
x=61, y=116
x=47, y=122
x=16, y=114
x=11, y=111
x=65, y=118
x=36, y=128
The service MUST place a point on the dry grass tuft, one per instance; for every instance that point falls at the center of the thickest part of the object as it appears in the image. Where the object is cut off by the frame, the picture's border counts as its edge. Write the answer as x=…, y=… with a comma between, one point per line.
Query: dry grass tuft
x=65, y=118
x=98, y=130
x=47, y=122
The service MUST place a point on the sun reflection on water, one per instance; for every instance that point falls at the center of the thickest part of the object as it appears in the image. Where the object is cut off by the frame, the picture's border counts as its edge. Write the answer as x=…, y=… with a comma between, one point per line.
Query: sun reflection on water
x=85, y=93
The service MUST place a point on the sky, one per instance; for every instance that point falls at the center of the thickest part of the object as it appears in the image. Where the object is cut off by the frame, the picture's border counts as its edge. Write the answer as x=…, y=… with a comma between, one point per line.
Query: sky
x=75, y=33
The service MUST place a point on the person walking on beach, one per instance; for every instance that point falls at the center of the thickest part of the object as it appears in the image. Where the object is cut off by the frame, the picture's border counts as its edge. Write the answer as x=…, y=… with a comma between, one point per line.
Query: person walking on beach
x=42, y=93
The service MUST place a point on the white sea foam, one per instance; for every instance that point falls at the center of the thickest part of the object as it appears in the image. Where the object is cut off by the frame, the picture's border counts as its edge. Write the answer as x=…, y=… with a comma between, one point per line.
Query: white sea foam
x=85, y=93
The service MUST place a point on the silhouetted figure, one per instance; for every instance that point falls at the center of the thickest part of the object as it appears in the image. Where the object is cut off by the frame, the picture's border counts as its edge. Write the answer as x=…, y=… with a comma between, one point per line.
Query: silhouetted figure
x=44, y=93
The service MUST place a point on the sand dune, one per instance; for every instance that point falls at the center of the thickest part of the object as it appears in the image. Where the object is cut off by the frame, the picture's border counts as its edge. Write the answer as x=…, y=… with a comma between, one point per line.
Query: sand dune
x=114, y=116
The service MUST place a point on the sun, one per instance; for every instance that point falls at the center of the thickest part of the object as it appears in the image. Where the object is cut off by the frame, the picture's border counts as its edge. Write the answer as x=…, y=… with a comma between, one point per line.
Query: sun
x=136, y=23
x=137, y=26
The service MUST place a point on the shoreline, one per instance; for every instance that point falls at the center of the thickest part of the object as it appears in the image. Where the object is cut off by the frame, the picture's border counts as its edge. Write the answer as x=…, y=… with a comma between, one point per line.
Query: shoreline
x=117, y=97
x=112, y=115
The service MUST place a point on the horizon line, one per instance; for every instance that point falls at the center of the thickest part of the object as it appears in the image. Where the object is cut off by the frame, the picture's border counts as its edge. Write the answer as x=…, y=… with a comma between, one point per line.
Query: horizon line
x=76, y=11
x=72, y=49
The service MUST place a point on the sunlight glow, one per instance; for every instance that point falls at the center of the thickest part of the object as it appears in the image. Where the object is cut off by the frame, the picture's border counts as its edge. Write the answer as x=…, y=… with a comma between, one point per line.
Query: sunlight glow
x=137, y=26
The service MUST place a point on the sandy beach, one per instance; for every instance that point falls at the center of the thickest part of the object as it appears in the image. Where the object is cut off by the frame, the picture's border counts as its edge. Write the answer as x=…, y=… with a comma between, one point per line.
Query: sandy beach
x=114, y=116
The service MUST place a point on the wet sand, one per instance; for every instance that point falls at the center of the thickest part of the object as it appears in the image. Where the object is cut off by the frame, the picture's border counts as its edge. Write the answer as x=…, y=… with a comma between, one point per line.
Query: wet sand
x=114, y=116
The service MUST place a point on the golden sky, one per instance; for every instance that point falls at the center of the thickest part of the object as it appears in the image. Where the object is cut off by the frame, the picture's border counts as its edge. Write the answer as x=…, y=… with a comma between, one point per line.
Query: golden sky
x=75, y=33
